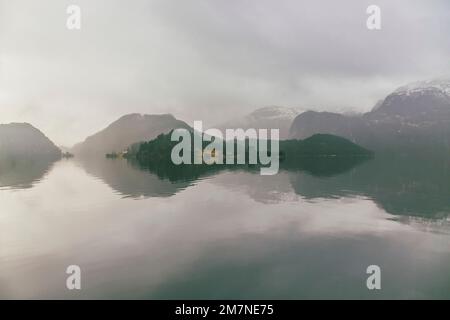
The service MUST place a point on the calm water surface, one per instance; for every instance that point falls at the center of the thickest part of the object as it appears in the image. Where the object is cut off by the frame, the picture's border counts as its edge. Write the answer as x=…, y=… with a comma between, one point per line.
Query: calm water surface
x=230, y=234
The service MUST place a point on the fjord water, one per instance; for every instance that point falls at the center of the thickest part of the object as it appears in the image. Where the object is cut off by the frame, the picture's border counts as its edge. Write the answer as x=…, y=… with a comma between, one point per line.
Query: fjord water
x=306, y=232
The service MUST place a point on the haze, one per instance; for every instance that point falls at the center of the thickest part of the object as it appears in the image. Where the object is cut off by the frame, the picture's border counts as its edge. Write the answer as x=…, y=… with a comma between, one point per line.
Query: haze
x=208, y=60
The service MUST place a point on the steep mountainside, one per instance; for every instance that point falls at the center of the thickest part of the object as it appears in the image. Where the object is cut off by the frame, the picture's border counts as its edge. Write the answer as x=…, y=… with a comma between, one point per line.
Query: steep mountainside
x=411, y=116
x=23, y=140
x=127, y=130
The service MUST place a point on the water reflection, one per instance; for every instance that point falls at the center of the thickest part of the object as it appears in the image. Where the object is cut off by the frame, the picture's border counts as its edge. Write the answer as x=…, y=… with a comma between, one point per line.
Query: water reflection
x=402, y=185
x=411, y=185
x=416, y=185
x=300, y=234
x=23, y=173
x=130, y=180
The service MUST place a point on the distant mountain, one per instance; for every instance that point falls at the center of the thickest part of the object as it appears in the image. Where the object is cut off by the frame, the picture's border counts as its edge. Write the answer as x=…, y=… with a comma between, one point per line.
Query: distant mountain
x=422, y=103
x=312, y=122
x=127, y=130
x=265, y=118
x=22, y=140
x=414, y=115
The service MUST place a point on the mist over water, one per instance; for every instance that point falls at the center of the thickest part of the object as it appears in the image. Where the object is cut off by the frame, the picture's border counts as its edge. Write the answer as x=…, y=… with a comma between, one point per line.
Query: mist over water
x=303, y=233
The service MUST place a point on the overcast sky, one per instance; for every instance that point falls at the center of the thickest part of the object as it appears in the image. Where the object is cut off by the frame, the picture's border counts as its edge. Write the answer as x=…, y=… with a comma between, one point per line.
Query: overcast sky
x=208, y=59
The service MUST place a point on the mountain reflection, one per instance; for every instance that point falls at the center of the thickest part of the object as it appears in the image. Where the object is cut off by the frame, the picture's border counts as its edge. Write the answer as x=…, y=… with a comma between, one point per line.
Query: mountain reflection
x=129, y=179
x=18, y=173
x=414, y=185
x=133, y=179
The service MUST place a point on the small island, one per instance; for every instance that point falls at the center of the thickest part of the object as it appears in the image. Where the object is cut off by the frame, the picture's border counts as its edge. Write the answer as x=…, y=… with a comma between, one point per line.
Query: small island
x=67, y=155
x=322, y=154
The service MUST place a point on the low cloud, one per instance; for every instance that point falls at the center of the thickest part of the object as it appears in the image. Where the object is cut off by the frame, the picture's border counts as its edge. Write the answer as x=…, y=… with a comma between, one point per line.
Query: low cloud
x=208, y=60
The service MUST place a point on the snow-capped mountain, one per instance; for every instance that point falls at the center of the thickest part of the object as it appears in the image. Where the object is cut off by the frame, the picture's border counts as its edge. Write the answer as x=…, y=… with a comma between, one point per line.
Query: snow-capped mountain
x=273, y=112
x=435, y=86
x=416, y=103
x=415, y=114
x=272, y=117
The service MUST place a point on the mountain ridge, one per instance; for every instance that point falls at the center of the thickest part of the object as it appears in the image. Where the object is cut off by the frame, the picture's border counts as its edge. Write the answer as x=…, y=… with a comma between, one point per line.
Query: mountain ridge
x=125, y=131
x=416, y=115
x=21, y=139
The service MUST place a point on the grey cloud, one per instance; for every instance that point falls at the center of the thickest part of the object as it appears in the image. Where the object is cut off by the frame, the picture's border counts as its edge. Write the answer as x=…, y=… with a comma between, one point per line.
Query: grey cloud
x=207, y=59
